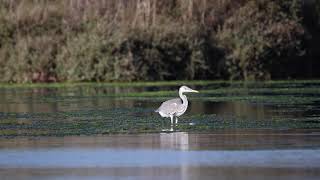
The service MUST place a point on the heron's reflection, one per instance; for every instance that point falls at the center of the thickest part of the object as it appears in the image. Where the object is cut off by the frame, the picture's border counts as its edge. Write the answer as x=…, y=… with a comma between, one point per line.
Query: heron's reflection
x=179, y=141
x=175, y=140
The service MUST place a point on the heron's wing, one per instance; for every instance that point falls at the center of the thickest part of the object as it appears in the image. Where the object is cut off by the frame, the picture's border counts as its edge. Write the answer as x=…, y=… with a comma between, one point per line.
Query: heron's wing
x=171, y=106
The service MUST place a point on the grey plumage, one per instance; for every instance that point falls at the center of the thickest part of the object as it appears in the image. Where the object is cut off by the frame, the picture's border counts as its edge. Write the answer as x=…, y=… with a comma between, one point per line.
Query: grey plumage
x=171, y=107
x=175, y=107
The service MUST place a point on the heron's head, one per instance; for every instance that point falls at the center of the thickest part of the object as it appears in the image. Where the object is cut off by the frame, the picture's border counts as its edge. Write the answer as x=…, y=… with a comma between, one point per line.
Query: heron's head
x=186, y=89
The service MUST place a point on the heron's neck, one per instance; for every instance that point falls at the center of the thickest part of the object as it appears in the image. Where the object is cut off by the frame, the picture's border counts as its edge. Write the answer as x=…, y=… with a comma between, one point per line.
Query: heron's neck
x=184, y=98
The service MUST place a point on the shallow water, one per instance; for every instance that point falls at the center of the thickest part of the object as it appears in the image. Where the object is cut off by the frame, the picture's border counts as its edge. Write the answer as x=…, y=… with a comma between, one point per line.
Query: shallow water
x=255, y=131
x=179, y=155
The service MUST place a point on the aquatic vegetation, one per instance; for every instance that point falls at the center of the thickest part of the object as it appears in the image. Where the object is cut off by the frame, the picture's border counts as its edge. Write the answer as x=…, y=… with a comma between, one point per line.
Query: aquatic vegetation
x=90, y=109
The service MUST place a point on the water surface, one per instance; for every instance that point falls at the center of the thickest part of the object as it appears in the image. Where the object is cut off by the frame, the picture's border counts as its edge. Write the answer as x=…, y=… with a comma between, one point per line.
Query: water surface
x=230, y=131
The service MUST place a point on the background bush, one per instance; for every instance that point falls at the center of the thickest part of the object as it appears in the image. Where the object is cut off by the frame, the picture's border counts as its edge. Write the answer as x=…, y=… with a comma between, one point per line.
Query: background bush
x=119, y=40
x=258, y=35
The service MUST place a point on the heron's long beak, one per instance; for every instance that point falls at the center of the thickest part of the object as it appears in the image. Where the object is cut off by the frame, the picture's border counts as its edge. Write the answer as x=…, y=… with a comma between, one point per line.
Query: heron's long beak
x=195, y=91
x=187, y=89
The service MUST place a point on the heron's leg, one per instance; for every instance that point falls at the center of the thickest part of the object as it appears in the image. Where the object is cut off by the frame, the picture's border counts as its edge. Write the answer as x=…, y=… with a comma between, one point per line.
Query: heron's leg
x=171, y=119
x=171, y=127
x=176, y=120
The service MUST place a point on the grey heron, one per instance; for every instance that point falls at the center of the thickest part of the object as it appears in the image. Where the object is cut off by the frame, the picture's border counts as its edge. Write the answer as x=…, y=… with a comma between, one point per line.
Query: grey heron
x=175, y=107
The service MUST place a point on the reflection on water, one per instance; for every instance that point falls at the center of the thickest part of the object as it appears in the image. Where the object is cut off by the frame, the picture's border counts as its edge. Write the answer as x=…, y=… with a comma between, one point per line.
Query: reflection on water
x=219, y=140
x=224, y=155
x=249, y=152
x=51, y=100
x=56, y=100
x=90, y=158
x=160, y=173
x=178, y=140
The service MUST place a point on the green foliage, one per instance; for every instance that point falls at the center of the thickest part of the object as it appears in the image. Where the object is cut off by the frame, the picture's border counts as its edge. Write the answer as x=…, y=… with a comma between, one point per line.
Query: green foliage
x=154, y=54
x=29, y=42
x=7, y=30
x=257, y=34
x=86, y=57
x=49, y=41
x=167, y=53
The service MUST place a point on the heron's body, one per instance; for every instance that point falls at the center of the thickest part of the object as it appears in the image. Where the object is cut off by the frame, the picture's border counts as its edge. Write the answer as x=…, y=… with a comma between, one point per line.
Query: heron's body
x=175, y=107
x=172, y=107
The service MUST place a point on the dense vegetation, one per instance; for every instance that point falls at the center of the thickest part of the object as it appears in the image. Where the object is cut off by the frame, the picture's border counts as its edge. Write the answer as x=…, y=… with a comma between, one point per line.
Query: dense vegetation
x=130, y=40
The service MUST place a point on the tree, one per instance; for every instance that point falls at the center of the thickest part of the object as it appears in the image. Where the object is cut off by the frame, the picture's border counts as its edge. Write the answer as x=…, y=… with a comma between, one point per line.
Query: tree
x=258, y=34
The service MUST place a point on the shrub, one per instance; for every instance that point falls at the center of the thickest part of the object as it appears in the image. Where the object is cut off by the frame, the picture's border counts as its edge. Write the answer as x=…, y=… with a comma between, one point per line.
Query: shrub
x=53, y=40
x=169, y=53
x=136, y=54
x=86, y=57
x=257, y=34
